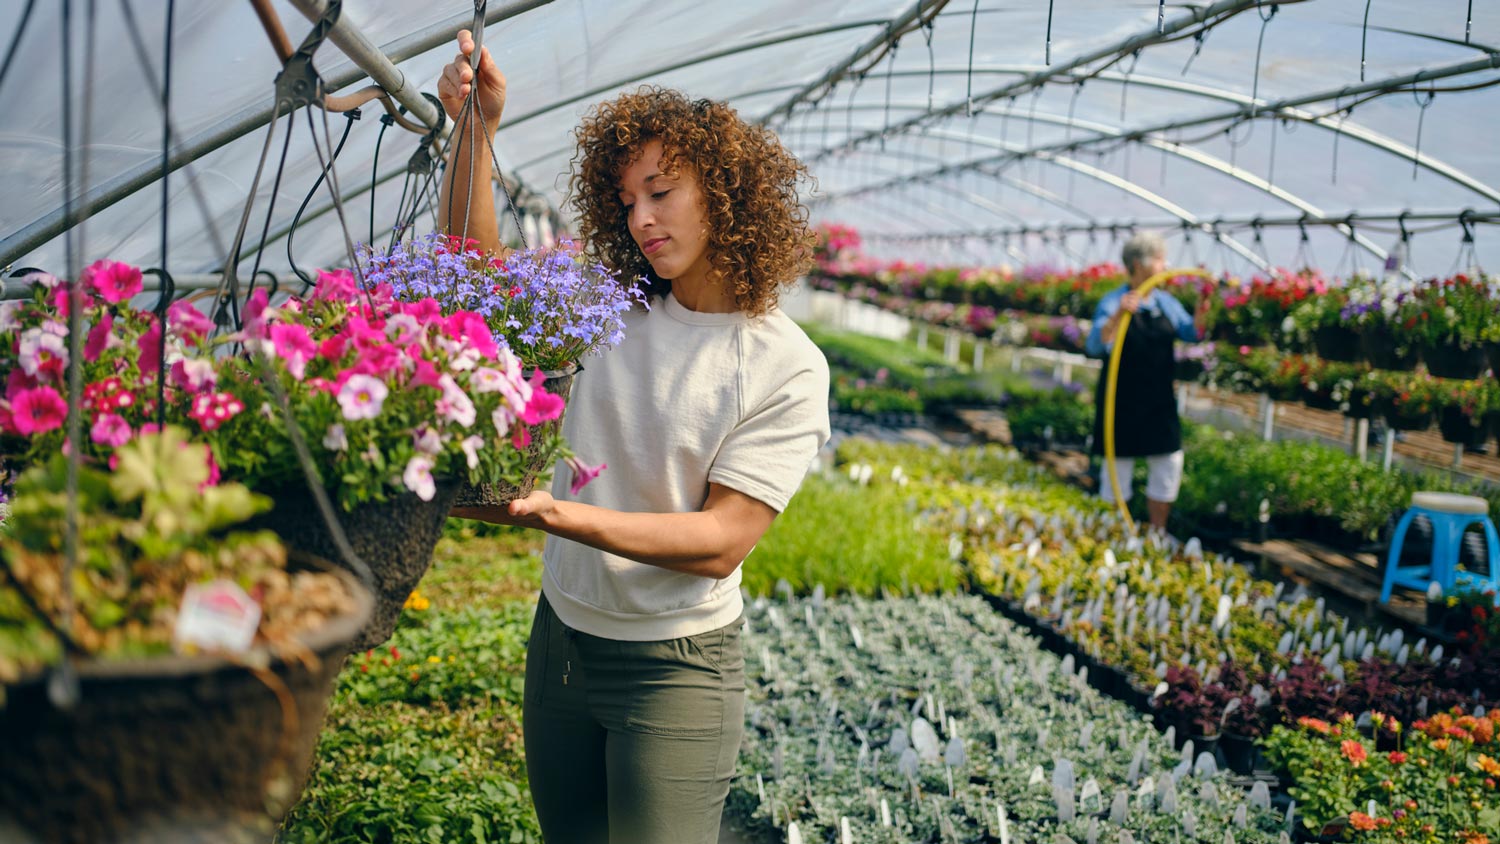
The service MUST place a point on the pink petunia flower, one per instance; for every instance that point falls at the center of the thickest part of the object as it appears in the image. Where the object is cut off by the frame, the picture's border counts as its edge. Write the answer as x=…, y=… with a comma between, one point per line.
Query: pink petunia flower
x=418, y=477
x=8, y=321
x=43, y=355
x=337, y=286
x=100, y=337
x=544, y=406
x=472, y=329
x=150, y=347
x=403, y=329
x=427, y=441
x=114, y=281
x=110, y=430
x=293, y=345
x=254, y=315
x=185, y=320
x=362, y=397
x=194, y=375
x=455, y=405
x=520, y=437
x=583, y=474
x=37, y=411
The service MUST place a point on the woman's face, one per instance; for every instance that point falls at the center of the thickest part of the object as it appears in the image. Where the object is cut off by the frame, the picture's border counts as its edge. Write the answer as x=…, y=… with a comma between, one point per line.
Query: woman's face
x=665, y=214
x=1149, y=266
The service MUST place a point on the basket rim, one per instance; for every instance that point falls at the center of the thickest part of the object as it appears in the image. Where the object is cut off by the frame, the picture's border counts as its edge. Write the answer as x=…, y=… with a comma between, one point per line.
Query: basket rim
x=340, y=629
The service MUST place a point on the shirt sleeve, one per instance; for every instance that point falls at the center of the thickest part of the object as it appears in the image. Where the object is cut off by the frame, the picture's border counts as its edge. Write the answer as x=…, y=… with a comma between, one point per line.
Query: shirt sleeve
x=768, y=453
x=1095, y=347
x=1187, y=330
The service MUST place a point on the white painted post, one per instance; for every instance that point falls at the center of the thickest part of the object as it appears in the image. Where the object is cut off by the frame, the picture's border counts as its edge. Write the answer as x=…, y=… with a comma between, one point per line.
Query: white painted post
x=1362, y=439
x=1015, y=359
x=1268, y=419
x=1458, y=455
x=978, y=355
x=922, y=335
x=950, y=346
x=1388, y=449
x=1067, y=370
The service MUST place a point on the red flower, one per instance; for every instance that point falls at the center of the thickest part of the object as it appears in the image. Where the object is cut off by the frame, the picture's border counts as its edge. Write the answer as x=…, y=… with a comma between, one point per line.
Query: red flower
x=1361, y=821
x=1396, y=757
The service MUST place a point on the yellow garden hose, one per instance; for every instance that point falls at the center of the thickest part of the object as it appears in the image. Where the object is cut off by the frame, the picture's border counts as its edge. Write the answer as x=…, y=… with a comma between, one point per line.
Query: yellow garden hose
x=1113, y=376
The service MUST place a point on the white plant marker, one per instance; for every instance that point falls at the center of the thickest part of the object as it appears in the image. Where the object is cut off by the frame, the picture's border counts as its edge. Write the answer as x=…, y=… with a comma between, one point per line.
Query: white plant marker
x=885, y=812
x=846, y=836
x=760, y=787
x=1004, y=824
x=793, y=834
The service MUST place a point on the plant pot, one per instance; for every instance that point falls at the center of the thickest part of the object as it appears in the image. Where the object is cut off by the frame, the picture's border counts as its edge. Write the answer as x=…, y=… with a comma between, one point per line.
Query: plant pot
x=540, y=456
x=1381, y=350
x=1187, y=370
x=1240, y=753
x=175, y=748
x=1284, y=392
x=1492, y=352
x=1450, y=360
x=394, y=538
x=1458, y=427
x=1319, y=399
x=1404, y=420
x=1492, y=423
x=1337, y=343
x=1204, y=744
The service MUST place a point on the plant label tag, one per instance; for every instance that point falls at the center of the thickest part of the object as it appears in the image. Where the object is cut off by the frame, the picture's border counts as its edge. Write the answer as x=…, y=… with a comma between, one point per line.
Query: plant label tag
x=216, y=616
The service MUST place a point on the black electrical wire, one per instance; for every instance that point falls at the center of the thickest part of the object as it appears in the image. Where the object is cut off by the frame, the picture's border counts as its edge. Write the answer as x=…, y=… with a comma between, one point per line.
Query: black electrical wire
x=291, y=234
x=1260, y=43
x=1047, y=53
x=386, y=121
x=15, y=41
x=1364, y=39
x=271, y=204
x=969, y=84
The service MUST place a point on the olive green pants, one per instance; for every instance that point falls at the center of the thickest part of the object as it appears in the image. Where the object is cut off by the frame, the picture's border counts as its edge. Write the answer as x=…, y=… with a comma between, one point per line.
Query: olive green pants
x=631, y=742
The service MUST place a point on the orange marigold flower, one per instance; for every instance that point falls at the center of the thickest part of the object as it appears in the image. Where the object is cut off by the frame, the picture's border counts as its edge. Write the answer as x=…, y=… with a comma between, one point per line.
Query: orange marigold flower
x=1315, y=724
x=1488, y=765
x=1484, y=731
x=1354, y=752
x=1440, y=745
x=1361, y=821
x=1471, y=837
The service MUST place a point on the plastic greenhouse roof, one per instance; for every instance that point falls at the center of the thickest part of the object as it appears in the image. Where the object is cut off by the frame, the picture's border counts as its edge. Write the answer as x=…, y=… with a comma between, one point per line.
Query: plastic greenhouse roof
x=1085, y=145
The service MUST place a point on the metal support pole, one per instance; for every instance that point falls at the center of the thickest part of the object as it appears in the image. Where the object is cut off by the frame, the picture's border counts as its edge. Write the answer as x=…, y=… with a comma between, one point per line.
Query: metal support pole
x=1458, y=455
x=1388, y=449
x=369, y=58
x=1267, y=418
x=1361, y=439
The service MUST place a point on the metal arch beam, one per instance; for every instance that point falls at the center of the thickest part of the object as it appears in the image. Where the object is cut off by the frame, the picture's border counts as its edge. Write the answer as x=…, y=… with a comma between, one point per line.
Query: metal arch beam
x=1206, y=17
x=242, y=123
x=1188, y=153
x=913, y=13
x=1129, y=187
x=1030, y=188
x=1354, y=130
x=762, y=43
x=1273, y=109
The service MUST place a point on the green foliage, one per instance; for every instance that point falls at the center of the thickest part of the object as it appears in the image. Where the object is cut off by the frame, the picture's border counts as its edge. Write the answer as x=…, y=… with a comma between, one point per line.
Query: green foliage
x=851, y=538
x=1059, y=415
x=423, y=738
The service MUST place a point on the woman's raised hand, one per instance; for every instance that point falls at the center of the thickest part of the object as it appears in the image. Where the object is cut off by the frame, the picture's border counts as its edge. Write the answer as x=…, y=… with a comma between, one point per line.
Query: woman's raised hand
x=457, y=78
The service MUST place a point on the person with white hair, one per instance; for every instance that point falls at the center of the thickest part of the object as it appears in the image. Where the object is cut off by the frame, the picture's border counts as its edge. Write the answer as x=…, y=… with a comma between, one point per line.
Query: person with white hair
x=1146, y=421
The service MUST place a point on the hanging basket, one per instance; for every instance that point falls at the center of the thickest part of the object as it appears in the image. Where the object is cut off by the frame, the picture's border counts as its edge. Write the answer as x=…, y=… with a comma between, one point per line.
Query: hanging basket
x=1381, y=351
x=172, y=749
x=395, y=538
x=1461, y=429
x=1405, y=420
x=1450, y=360
x=539, y=454
x=1337, y=343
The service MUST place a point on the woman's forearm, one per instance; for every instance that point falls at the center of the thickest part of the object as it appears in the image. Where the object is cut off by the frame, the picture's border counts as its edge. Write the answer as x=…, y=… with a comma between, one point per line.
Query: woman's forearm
x=467, y=190
x=692, y=543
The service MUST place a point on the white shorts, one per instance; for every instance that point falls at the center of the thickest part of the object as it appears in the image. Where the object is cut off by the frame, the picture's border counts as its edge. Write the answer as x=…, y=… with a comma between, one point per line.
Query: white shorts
x=1163, y=478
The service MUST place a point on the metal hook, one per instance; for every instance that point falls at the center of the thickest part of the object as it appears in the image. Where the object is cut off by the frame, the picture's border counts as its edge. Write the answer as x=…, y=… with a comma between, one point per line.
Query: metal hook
x=1465, y=221
x=168, y=290
x=1401, y=222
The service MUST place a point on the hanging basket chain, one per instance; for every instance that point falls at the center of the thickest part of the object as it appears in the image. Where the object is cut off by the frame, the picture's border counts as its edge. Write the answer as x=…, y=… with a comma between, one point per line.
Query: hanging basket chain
x=1422, y=105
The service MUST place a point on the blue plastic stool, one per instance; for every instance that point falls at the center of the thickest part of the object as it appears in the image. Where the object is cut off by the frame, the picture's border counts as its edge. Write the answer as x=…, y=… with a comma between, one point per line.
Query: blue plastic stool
x=1450, y=515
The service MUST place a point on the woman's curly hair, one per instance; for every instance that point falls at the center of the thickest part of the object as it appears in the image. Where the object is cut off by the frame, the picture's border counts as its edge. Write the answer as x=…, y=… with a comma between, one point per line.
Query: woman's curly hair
x=759, y=241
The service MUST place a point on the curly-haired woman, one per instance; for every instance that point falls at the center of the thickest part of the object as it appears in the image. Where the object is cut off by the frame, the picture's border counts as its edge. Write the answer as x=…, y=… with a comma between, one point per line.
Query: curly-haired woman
x=708, y=416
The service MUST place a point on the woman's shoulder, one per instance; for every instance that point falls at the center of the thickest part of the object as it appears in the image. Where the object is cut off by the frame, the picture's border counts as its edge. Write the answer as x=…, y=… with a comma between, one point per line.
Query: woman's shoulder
x=776, y=342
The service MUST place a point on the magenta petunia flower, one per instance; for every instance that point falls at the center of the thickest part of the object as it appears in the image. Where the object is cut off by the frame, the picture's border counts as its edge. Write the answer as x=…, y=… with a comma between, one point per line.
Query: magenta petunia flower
x=543, y=407
x=100, y=337
x=114, y=281
x=583, y=474
x=110, y=430
x=337, y=285
x=150, y=348
x=37, y=411
x=471, y=327
x=294, y=346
